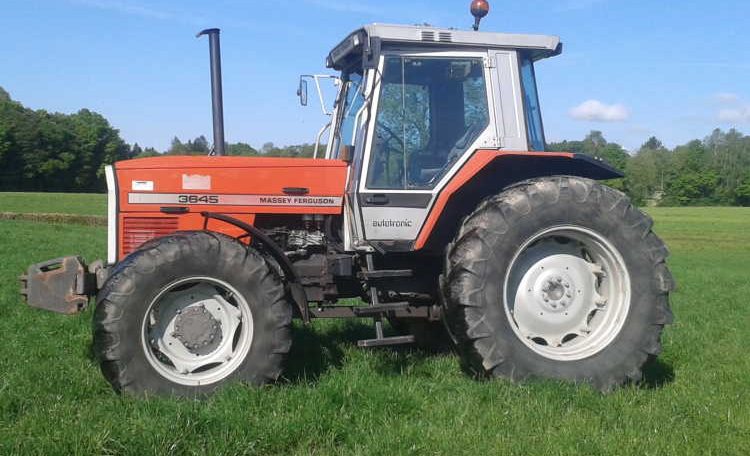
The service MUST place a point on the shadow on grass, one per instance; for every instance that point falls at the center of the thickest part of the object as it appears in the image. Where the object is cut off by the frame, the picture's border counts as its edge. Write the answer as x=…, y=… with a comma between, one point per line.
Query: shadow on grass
x=314, y=352
x=657, y=374
x=317, y=350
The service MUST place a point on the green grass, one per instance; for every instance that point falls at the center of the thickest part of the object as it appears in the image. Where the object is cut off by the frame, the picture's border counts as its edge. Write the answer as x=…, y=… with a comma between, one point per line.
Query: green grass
x=54, y=203
x=338, y=399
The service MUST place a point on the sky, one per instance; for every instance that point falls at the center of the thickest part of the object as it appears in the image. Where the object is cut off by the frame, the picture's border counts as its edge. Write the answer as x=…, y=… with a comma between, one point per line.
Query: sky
x=630, y=68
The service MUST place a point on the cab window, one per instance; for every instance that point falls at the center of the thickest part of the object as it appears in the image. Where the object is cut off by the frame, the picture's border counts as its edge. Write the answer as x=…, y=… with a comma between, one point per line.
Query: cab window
x=431, y=111
x=352, y=104
x=531, y=104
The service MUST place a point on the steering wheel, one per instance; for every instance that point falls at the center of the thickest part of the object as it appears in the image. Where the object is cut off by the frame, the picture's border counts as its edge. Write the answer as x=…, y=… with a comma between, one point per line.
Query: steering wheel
x=391, y=135
x=458, y=149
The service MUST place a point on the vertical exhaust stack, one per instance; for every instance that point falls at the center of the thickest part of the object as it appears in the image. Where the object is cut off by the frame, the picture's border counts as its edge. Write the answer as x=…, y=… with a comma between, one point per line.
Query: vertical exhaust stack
x=217, y=99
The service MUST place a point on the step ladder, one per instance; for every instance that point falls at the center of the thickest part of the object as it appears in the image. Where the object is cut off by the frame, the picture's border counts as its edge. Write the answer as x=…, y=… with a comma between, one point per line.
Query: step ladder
x=378, y=310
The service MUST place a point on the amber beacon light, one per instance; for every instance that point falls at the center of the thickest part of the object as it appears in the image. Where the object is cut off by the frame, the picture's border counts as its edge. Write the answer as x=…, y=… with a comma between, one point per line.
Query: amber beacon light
x=479, y=9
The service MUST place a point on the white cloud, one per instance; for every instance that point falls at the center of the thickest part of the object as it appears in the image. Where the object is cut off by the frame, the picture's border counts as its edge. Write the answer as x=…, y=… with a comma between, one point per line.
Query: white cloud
x=574, y=5
x=735, y=115
x=733, y=108
x=136, y=8
x=595, y=110
x=125, y=7
x=727, y=97
x=344, y=6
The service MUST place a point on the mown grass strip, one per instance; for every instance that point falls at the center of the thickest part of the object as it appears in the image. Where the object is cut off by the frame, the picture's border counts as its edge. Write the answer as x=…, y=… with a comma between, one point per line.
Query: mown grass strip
x=70, y=219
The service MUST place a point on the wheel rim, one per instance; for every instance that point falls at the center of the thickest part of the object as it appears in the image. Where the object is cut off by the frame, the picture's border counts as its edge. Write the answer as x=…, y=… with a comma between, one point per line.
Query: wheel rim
x=567, y=293
x=197, y=331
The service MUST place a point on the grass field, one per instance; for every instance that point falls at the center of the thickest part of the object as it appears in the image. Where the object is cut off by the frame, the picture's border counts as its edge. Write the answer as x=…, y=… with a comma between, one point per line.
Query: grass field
x=54, y=203
x=337, y=399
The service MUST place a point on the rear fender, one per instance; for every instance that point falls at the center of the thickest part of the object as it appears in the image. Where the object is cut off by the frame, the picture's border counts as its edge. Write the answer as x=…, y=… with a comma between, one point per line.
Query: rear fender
x=487, y=173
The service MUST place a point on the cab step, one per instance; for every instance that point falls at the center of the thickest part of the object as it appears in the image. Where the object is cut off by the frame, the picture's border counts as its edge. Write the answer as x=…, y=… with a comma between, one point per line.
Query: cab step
x=386, y=274
x=380, y=308
x=385, y=341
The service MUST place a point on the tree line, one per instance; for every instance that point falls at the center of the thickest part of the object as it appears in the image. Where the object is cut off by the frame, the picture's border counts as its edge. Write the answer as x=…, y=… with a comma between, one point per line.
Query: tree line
x=43, y=151
x=710, y=171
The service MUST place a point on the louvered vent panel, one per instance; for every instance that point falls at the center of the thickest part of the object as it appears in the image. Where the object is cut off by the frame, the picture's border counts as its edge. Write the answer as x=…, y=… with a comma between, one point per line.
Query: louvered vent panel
x=445, y=37
x=428, y=36
x=138, y=230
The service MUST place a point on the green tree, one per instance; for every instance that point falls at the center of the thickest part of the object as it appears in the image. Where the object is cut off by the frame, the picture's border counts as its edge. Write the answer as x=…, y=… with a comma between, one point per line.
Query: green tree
x=55, y=152
x=136, y=150
x=742, y=192
x=149, y=152
x=241, y=148
x=645, y=172
x=595, y=145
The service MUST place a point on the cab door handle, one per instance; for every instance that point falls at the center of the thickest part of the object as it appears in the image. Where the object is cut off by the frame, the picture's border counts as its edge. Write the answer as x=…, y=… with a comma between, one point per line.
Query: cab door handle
x=378, y=200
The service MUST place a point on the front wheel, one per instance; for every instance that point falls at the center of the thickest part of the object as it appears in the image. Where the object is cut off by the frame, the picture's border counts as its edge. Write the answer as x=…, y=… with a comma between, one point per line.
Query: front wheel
x=558, y=278
x=188, y=313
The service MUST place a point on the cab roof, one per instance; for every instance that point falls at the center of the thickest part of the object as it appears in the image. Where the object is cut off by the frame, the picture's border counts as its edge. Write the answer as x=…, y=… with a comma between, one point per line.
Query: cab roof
x=367, y=41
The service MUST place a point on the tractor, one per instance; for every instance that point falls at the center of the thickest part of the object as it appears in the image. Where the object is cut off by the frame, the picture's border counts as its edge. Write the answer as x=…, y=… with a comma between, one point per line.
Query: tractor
x=434, y=208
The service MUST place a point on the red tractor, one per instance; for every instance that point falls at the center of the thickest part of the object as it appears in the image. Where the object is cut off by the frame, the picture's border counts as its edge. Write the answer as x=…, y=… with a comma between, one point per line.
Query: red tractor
x=436, y=204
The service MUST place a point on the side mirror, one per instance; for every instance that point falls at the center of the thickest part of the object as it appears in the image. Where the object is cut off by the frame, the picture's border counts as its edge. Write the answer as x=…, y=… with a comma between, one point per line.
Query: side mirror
x=302, y=92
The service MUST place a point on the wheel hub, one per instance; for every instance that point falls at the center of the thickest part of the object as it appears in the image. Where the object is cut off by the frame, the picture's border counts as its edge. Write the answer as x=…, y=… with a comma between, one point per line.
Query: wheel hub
x=198, y=330
x=555, y=291
x=567, y=293
x=554, y=299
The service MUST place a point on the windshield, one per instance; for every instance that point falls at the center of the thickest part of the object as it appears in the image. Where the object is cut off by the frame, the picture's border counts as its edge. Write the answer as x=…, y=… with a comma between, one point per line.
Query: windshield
x=431, y=111
x=353, y=101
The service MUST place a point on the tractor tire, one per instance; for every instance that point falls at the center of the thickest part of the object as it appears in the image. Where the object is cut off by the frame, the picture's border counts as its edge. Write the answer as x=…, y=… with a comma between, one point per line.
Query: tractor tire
x=557, y=277
x=189, y=313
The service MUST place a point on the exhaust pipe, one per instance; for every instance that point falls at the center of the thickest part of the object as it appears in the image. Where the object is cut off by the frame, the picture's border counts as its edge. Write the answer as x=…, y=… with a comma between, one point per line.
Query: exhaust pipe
x=217, y=100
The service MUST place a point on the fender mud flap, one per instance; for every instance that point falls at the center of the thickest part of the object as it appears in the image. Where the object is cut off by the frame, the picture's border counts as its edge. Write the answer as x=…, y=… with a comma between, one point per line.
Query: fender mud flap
x=62, y=285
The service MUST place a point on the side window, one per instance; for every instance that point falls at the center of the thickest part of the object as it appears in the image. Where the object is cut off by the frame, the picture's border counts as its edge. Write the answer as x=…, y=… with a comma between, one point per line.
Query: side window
x=352, y=104
x=430, y=112
x=531, y=105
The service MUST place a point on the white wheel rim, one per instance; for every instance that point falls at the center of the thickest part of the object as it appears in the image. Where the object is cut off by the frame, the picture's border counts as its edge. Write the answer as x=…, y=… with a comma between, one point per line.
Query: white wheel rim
x=197, y=331
x=567, y=293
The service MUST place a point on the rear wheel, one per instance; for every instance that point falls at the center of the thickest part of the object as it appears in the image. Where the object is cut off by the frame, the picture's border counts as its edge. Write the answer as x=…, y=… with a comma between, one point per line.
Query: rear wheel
x=189, y=313
x=558, y=278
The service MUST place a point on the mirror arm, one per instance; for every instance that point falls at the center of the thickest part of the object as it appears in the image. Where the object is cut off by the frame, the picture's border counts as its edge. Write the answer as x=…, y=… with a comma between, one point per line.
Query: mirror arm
x=320, y=97
x=317, y=78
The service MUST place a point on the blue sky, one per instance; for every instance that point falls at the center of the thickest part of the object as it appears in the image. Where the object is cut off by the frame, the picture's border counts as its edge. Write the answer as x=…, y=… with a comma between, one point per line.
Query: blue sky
x=630, y=68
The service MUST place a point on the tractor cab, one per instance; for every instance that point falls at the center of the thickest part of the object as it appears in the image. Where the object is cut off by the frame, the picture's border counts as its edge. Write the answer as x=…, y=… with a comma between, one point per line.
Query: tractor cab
x=414, y=103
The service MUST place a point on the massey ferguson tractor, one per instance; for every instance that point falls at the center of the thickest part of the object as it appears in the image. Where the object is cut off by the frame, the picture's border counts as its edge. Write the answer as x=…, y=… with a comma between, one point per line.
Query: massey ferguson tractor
x=436, y=204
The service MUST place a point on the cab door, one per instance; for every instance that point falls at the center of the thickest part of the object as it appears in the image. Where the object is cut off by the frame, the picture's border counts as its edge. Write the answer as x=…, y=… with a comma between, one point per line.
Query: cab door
x=431, y=110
